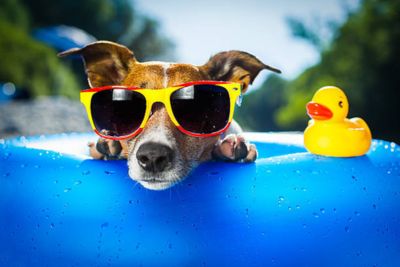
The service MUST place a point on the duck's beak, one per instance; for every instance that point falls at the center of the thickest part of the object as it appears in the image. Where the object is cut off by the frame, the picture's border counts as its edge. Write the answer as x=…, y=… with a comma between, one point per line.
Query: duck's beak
x=318, y=112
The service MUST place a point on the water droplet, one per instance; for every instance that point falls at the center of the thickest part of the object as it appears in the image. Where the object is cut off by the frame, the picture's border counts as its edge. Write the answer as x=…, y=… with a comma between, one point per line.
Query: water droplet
x=52, y=225
x=386, y=146
x=356, y=213
x=77, y=182
x=213, y=173
x=347, y=229
x=316, y=215
x=104, y=225
x=322, y=210
x=66, y=190
x=109, y=172
x=392, y=145
x=281, y=199
x=297, y=207
x=389, y=172
x=374, y=206
x=85, y=172
x=289, y=208
x=56, y=181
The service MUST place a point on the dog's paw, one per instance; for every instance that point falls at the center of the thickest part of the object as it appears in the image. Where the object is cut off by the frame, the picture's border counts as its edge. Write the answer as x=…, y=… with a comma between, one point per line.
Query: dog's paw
x=107, y=149
x=235, y=148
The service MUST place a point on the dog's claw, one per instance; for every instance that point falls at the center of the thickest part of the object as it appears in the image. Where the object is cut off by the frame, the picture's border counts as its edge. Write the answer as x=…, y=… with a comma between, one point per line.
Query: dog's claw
x=252, y=154
x=106, y=149
x=235, y=148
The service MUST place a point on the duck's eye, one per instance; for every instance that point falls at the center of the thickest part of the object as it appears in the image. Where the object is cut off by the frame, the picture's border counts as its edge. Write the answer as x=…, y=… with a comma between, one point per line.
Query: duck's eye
x=341, y=104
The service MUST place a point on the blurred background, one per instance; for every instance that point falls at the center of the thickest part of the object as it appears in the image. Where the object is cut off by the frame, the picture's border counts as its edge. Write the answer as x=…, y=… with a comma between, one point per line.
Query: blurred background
x=353, y=44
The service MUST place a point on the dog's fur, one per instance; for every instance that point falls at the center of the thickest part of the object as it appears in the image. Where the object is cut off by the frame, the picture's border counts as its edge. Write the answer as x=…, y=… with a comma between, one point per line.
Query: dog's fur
x=109, y=63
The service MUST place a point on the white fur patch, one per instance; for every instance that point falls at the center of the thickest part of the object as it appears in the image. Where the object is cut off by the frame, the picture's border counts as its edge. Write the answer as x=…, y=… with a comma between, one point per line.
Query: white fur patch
x=158, y=134
x=234, y=128
x=162, y=135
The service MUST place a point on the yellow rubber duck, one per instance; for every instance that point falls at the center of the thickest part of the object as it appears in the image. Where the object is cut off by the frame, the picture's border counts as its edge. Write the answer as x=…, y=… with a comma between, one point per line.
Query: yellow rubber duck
x=329, y=132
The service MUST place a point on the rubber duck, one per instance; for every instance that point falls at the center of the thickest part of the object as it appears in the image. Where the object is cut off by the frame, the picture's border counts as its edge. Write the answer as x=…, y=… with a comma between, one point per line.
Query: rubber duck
x=329, y=132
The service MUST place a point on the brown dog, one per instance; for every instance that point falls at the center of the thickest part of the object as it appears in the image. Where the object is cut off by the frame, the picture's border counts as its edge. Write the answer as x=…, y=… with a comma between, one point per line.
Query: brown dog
x=162, y=155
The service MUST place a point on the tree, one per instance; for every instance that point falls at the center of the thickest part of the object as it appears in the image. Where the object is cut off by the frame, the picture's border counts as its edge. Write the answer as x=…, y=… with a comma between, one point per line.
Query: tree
x=38, y=70
x=258, y=109
x=113, y=20
x=28, y=63
x=363, y=60
x=35, y=67
x=14, y=13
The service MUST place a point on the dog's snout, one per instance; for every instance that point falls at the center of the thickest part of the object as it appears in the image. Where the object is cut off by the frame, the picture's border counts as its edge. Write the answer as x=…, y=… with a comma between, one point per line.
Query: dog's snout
x=154, y=157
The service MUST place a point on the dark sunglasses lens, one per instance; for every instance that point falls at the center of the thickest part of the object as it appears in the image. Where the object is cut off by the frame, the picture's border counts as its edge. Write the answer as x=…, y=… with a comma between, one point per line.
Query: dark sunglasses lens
x=201, y=109
x=118, y=112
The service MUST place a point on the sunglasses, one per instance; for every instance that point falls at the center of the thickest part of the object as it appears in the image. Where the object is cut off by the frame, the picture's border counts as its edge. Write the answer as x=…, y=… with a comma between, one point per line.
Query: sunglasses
x=200, y=109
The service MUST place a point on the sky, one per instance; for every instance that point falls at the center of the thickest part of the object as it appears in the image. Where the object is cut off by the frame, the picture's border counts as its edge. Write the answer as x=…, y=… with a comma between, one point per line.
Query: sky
x=203, y=28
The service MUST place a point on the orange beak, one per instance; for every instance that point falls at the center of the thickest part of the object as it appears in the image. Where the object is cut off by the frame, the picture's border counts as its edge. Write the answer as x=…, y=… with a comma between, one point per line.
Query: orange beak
x=318, y=112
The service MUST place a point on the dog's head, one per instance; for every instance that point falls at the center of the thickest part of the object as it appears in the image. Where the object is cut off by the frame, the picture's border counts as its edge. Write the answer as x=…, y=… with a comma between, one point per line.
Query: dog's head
x=162, y=155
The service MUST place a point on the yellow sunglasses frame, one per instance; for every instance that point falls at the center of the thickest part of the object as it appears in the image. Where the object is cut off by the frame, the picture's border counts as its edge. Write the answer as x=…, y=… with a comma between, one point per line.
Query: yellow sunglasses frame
x=163, y=96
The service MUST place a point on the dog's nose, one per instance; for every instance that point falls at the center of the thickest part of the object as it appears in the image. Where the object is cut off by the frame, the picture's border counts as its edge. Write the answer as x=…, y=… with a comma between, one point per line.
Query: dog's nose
x=154, y=157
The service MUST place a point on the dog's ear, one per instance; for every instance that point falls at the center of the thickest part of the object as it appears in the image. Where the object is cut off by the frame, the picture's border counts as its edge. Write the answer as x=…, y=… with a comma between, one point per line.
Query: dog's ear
x=106, y=63
x=235, y=66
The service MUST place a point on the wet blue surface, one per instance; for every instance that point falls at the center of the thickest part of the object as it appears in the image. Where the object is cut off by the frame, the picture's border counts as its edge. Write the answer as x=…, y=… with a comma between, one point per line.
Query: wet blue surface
x=290, y=208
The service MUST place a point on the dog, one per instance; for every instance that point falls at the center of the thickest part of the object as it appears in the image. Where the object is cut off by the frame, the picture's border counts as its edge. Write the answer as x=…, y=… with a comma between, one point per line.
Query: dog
x=161, y=155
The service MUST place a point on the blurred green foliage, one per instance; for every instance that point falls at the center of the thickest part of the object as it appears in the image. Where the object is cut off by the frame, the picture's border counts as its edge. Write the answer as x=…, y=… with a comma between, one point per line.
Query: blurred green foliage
x=362, y=59
x=26, y=62
x=114, y=20
x=13, y=12
x=35, y=67
x=258, y=108
x=32, y=65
